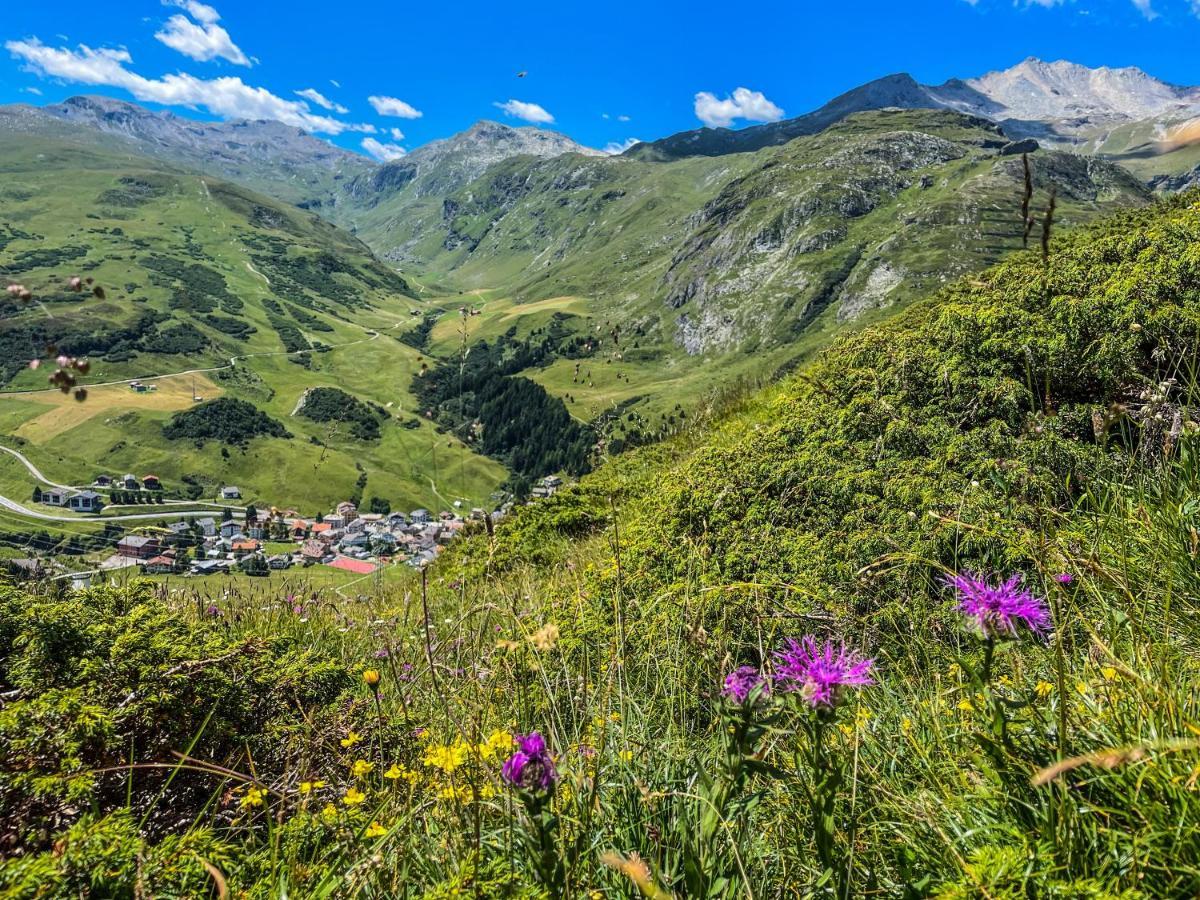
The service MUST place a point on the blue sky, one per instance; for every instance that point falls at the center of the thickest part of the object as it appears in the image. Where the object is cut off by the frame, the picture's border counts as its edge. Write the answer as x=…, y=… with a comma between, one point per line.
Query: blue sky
x=604, y=74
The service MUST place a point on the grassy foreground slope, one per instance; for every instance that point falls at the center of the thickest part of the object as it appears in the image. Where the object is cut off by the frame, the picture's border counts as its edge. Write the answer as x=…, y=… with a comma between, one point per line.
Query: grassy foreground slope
x=199, y=272
x=1037, y=419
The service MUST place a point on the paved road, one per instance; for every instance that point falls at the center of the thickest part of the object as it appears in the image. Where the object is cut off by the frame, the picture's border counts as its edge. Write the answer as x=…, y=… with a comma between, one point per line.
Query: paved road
x=163, y=513
x=33, y=469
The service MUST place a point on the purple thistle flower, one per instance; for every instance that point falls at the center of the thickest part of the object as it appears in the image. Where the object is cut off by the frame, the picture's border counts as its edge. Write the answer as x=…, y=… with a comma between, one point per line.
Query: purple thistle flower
x=741, y=682
x=820, y=674
x=1064, y=578
x=530, y=767
x=1000, y=610
x=212, y=610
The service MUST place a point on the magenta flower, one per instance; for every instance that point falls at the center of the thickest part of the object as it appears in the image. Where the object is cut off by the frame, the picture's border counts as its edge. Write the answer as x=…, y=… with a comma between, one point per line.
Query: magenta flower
x=820, y=674
x=1002, y=610
x=741, y=682
x=530, y=767
x=1064, y=578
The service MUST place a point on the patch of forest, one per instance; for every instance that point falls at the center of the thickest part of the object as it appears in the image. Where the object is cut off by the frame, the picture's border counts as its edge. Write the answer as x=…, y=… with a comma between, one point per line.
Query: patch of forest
x=326, y=404
x=226, y=419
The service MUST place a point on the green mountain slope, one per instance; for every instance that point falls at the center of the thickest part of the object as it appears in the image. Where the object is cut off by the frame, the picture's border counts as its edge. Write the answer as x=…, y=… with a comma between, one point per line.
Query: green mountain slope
x=199, y=272
x=684, y=275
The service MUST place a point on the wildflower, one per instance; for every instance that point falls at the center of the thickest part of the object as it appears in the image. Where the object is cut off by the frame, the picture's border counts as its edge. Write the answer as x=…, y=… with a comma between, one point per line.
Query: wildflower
x=965, y=705
x=496, y=742
x=530, y=767
x=742, y=682
x=351, y=739
x=371, y=677
x=1081, y=687
x=1108, y=673
x=396, y=772
x=329, y=813
x=307, y=787
x=820, y=674
x=906, y=726
x=625, y=756
x=361, y=768
x=353, y=797
x=447, y=758
x=1001, y=610
x=1043, y=689
x=1064, y=578
x=253, y=797
x=375, y=830
x=212, y=610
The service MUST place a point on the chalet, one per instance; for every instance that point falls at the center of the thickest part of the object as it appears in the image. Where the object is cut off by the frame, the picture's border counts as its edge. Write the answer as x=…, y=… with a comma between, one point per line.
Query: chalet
x=56, y=496
x=356, y=526
x=103, y=481
x=231, y=492
x=354, y=541
x=335, y=521
x=244, y=547
x=313, y=551
x=151, y=483
x=346, y=510
x=179, y=529
x=135, y=546
x=419, y=516
x=129, y=483
x=159, y=565
x=299, y=528
x=86, y=501
x=208, y=527
x=256, y=531
x=230, y=528
x=210, y=566
x=397, y=519
x=280, y=561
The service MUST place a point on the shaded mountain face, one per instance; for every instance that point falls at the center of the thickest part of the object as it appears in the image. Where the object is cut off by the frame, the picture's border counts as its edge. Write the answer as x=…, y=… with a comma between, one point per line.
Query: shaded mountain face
x=279, y=160
x=1059, y=103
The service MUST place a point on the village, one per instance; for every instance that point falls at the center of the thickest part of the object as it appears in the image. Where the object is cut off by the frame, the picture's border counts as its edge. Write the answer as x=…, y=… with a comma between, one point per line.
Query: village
x=260, y=541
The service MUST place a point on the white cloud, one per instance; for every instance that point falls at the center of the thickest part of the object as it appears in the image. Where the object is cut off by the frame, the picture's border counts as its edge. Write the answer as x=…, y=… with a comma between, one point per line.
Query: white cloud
x=615, y=147
x=1196, y=7
x=336, y=84
x=37, y=92
x=397, y=134
x=623, y=118
x=203, y=42
x=391, y=106
x=315, y=96
x=530, y=112
x=1146, y=8
x=744, y=104
x=226, y=97
x=383, y=152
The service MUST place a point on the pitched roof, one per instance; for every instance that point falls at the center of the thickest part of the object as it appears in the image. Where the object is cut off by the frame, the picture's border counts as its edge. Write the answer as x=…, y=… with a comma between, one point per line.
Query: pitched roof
x=357, y=566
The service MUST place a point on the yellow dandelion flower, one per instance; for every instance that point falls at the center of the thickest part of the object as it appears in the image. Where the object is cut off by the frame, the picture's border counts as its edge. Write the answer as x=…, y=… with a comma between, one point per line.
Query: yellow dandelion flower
x=906, y=726
x=307, y=787
x=371, y=677
x=1081, y=687
x=329, y=813
x=353, y=797
x=253, y=797
x=614, y=716
x=965, y=705
x=375, y=830
x=1108, y=673
x=1044, y=689
x=351, y=739
x=361, y=768
x=625, y=756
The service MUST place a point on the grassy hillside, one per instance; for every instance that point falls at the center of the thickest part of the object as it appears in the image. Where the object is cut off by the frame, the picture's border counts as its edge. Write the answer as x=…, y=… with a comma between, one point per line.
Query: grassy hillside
x=265, y=299
x=700, y=272
x=1037, y=420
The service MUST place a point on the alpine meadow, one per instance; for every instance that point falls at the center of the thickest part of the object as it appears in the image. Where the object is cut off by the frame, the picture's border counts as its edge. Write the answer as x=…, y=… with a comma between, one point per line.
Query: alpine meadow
x=432, y=466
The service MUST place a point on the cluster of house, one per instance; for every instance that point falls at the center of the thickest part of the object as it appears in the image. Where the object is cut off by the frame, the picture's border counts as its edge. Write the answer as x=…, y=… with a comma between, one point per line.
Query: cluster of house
x=345, y=538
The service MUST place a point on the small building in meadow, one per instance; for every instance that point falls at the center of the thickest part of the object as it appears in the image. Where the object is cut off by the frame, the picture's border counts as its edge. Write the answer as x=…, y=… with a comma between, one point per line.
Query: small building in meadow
x=86, y=501
x=231, y=492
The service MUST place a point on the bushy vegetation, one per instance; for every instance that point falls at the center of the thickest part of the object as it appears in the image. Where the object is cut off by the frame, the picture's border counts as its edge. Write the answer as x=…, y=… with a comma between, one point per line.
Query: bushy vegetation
x=325, y=404
x=226, y=419
x=549, y=712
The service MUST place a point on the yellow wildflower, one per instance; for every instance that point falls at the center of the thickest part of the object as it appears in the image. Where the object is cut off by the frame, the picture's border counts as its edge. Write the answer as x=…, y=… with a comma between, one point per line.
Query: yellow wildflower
x=1081, y=687
x=965, y=705
x=361, y=767
x=625, y=756
x=307, y=787
x=1109, y=673
x=371, y=677
x=375, y=830
x=353, y=797
x=397, y=772
x=496, y=743
x=462, y=793
x=906, y=726
x=329, y=813
x=1044, y=689
x=351, y=739
x=253, y=797
x=487, y=792
x=447, y=758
